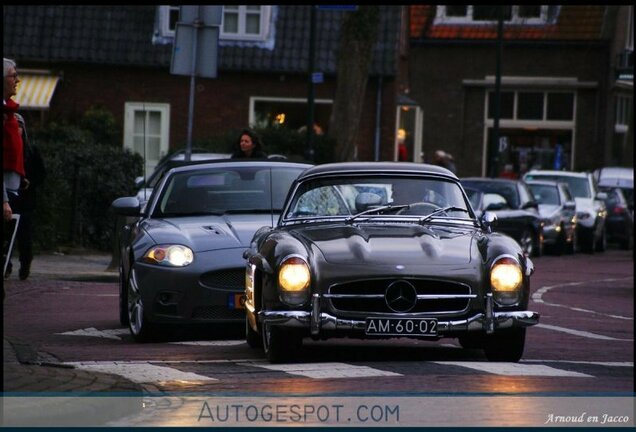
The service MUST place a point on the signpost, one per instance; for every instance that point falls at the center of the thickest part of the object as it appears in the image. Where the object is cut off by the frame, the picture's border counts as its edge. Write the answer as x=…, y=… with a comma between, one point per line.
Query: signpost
x=195, y=50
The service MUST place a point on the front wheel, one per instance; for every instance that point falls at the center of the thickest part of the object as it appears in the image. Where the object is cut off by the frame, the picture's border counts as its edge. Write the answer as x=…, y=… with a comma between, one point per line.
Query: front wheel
x=506, y=345
x=123, y=297
x=280, y=345
x=141, y=329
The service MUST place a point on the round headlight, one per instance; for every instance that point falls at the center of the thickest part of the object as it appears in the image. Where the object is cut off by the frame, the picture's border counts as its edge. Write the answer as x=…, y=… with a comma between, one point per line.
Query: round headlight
x=294, y=275
x=506, y=275
x=169, y=255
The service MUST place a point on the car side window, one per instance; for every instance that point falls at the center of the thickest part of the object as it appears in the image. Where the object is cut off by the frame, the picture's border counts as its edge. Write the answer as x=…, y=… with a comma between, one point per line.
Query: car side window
x=321, y=201
x=524, y=194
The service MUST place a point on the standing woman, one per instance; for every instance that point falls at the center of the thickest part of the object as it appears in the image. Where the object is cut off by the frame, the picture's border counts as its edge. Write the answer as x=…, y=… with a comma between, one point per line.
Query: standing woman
x=12, y=146
x=249, y=146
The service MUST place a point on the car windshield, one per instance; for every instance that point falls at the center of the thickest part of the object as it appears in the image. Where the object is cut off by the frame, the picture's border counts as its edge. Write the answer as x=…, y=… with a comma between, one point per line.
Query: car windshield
x=579, y=186
x=226, y=190
x=545, y=194
x=505, y=189
x=376, y=196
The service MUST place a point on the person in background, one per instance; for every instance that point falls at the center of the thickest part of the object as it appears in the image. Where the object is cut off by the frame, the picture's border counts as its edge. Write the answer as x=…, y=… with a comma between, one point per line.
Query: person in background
x=12, y=147
x=249, y=146
x=446, y=160
x=35, y=172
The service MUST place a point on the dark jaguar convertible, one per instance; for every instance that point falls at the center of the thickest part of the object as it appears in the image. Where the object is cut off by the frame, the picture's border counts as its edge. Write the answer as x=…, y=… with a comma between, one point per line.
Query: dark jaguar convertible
x=383, y=250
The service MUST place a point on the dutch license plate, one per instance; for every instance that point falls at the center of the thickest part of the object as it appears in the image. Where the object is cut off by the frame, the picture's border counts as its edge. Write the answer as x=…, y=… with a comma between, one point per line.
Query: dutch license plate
x=236, y=301
x=401, y=326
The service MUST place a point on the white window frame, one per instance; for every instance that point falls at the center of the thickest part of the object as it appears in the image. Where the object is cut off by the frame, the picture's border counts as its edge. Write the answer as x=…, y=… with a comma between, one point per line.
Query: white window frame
x=130, y=108
x=165, y=20
x=621, y=122
x=441, y=18
x=241, y=35
x=544, y=117
x=255, y=99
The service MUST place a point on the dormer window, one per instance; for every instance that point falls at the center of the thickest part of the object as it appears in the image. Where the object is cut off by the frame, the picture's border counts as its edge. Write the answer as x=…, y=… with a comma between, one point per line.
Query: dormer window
x=487, y=14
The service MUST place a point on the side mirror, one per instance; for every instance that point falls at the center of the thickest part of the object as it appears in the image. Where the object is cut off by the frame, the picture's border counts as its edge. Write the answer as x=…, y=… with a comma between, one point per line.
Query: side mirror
x=488, y=220
x=531, y=204
x=601, y=196
x=126, y=206
x=569, y=205
x=139, y=181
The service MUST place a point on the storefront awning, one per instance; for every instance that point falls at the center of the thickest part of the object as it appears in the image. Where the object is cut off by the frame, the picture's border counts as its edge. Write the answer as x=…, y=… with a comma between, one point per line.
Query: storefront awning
x=35, y=90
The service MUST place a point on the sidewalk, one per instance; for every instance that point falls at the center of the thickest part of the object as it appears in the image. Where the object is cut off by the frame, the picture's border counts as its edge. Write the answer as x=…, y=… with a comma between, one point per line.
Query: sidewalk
x=29, y=374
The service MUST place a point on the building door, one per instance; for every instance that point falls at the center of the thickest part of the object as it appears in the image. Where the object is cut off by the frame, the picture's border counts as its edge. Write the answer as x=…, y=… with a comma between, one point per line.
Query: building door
x=147, y=132
x=408, y=136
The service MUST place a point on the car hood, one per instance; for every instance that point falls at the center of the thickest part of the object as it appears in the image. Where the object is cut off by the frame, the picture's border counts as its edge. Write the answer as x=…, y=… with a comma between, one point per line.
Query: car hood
x=205, y=233
x=585, y=205
x=408, y=244
x=548, y=210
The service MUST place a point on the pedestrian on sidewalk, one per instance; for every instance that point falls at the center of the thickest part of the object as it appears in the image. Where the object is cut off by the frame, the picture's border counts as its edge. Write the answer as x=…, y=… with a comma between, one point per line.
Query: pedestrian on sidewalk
x=249, y=146
x=35, y=172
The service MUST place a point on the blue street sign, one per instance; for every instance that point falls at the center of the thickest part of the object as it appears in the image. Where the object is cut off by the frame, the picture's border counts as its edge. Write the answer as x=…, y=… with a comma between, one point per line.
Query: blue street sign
x=317, y=77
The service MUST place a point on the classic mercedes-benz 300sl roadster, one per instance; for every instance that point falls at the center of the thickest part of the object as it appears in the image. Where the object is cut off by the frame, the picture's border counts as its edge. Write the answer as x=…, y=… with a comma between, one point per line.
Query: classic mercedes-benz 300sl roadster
x=384, y=250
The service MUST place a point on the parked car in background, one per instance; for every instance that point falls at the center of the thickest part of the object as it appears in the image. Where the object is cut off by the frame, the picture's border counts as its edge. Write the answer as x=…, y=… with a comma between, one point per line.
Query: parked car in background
x=379, y=250
x=590, y=207
x=620, y=217
x=558, y=212
x=171, y=161
x=182, y=261
x=620, y=177
x=517, y=211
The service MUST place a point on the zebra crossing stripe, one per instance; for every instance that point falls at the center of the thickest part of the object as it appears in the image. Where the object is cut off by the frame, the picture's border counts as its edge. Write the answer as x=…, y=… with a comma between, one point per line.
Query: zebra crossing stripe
x=515, y=369
x=324, y=370
x=141, y=372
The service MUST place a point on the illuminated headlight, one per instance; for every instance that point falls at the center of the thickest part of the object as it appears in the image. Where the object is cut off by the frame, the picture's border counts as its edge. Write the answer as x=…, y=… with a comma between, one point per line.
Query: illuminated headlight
x=169, y=255
x=506, y=279
x=294, y=279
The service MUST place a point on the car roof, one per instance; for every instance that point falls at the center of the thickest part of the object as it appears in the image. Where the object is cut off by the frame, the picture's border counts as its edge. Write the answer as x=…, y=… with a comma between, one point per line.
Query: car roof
x=382, y=167
x=231, y=163
x=557, y=173
x=615, y=176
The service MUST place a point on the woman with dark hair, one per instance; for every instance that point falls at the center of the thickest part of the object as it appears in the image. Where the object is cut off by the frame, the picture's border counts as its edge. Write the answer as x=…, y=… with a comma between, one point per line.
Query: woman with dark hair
x=249, y=146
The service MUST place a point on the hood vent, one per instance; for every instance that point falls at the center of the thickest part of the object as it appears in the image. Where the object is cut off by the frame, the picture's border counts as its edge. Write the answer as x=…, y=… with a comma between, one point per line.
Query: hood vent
x=214, y=229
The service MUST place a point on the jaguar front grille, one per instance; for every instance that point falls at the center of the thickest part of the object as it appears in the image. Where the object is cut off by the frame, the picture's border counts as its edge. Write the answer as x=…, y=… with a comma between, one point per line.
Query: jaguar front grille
x=400, y=296
x=226, y=279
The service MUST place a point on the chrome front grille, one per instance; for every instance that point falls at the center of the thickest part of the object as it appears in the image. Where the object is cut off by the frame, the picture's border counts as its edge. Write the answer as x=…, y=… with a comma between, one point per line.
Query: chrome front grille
x=369, y=296
x=226, y=279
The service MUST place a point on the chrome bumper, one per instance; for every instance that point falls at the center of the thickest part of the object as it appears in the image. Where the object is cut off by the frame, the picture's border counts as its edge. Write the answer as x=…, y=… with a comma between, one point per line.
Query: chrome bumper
x=317, y=321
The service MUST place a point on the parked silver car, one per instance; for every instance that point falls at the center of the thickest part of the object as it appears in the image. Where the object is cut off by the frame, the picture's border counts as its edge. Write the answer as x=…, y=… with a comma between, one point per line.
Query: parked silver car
x=591, y=213
x=558, y=214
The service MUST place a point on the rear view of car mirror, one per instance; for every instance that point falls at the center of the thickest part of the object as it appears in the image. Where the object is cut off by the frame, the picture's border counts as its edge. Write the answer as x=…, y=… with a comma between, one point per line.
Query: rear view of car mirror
x=488, y=220
x=126, y=206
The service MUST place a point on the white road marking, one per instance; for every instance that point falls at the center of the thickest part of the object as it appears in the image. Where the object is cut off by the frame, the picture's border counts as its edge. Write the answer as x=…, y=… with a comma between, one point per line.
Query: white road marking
x=596, y=363
x=537, y=297
x=515, y=369
x=325, y=370
x=580, y=333
x=141, y=372
x=211, y=343
x=93, y=332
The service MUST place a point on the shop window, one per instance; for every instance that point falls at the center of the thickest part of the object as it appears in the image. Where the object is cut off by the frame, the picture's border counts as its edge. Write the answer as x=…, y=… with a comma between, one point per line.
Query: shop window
x=560, y=106
x=530, y=106
x=289, y=113
x=506, y=106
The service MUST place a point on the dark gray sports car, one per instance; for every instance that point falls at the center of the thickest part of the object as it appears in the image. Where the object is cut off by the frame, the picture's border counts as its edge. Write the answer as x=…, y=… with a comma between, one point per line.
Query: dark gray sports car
x=383, y=250
x=182, y=260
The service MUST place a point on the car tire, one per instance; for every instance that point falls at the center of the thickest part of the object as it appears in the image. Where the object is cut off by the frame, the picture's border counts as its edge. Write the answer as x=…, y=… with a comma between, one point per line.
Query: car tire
x=506, y=345
x=527, y=242
x=280, y=345
x=587, y=241
x=123, y=298
x=141, y=329
x=252, y=338
x=628, y=242
x=601, y=243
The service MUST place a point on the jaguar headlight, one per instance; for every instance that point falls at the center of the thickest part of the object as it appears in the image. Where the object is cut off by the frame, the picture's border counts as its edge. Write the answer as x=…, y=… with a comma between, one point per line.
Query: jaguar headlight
x=506, y=279
x=169, y=255
x=294, y=279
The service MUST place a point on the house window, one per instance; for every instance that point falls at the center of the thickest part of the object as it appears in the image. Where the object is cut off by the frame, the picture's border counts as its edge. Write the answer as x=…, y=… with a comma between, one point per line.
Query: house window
x=488, y=14
x=533, y=105
x=289, y=113
x=243, y=23
x=249, y=23
x=147, y=130
x=623, y=108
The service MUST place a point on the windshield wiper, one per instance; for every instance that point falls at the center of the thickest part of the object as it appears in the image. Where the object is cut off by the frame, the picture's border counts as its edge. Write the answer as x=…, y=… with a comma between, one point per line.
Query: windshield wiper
x=442, y=210
x=376, y=210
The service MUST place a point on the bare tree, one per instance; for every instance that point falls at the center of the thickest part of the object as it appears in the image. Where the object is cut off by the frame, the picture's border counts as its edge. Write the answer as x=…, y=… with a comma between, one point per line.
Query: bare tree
x=355, y=50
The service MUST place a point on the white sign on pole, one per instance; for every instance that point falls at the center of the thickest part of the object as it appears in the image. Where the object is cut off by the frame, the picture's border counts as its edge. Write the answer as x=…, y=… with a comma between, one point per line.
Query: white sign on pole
x=207, y=44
